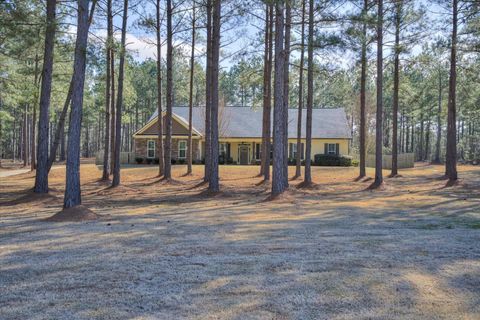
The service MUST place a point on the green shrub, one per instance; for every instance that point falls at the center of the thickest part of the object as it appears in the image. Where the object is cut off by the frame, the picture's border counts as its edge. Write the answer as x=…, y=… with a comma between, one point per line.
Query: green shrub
x=139, y=160
x=173, y=161
x=221, y=159
x=230, y=160
x=149, y=160
x=182, y=161
x=355, y=163
x=332, y=160
x=156, y=160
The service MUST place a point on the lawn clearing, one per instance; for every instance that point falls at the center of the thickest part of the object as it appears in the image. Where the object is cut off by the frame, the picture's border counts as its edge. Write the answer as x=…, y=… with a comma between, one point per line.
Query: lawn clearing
x=170, y=251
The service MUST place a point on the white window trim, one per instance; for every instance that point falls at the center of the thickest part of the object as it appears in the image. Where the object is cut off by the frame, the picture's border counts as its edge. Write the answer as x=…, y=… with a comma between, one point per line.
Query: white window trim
x=334, y=148
x=148, y=149
x=179, y=143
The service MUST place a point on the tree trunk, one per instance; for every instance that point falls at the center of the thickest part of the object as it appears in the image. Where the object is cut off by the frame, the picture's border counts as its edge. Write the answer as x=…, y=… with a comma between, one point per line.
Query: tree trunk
x=451, y=155
x=208, y=94
x=267, y=94
x=25, y=136
x=427, y=141
x=118, y=119
x=72, y=188
x=379, y=118
x=279, y=180
x=112, y=107
x=396, y=87
x=161, y=163
x=439, y=120
x=288, y=26
x=108, y=92
x=308, y=130
x=363, y=89
x=213, y=181
x=33, y=156
x=298, y=165
x=190, y=95
x=168, y=117
x=41, y=176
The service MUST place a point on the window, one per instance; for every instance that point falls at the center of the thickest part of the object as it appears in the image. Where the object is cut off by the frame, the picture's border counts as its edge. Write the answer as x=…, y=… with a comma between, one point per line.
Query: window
x=294, y=150
x=332, y=148
x=222, y=149
x=258, y=151
x=150, y=148
x=182, y=149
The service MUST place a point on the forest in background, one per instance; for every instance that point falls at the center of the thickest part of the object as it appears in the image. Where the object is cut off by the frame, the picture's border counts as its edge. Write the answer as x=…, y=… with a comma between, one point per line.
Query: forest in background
x=342, y=41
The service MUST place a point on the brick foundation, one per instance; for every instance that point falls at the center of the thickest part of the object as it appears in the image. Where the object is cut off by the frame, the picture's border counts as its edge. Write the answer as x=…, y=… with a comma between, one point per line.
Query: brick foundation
x=141, y=148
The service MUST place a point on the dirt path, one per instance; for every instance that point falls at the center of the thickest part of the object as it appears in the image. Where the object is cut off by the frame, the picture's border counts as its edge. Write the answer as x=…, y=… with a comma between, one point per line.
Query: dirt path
x=8, y=173
x=162, y=251
x=14, y=172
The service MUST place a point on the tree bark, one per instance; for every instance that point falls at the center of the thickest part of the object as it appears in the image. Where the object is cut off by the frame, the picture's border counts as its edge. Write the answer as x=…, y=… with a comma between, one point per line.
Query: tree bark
x=41, y=176
x=267, y=94
x=213, y=181
x=33, y=156
x=118, y=119
x=108, y=92
x=396, y=88
x=439, y=120
x=208, y=94
x=279, y=180
x=298, y=165
x=308, y=129
x=168, y=117
x=25, y=136
x=451, y=155
x=363, y=88
x=72, y=188
x=379, y=117
x=190, y=95
x=112, y=112
x=286, y=82
x=161, y=163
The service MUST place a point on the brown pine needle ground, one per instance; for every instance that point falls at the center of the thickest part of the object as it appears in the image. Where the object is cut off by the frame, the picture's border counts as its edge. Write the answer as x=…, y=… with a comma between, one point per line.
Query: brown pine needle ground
x=169, y=251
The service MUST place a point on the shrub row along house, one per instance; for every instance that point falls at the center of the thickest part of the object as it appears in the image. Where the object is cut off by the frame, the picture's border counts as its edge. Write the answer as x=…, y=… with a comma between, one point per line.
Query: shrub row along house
x=240, y=131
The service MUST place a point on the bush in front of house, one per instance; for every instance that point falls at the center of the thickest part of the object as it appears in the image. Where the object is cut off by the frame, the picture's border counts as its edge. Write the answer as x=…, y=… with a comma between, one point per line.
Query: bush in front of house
x=139, y=160
x=332, y=160
x=173, y=161
x=156, y=160
x=149, y=160
x=182, y=161
x=230, y=160
x=221, y=159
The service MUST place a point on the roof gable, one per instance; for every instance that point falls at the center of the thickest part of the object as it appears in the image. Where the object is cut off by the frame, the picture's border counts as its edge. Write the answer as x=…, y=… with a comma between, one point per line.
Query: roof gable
x=179, y=126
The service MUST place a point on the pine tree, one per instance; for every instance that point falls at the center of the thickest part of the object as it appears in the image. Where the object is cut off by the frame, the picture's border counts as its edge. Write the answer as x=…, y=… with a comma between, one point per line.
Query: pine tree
x=41, y=176
x=72, y=196
x=119, y=106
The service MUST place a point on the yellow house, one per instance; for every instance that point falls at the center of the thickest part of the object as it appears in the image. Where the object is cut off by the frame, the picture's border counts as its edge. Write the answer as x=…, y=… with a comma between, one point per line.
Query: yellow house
x=240, y=131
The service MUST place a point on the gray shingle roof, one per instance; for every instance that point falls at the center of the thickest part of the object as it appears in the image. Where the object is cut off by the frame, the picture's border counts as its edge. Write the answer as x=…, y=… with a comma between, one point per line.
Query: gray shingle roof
x=245, y=122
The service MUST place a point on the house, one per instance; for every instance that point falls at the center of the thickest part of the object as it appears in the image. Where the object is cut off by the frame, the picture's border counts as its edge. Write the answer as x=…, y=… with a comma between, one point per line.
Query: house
x=240, y=134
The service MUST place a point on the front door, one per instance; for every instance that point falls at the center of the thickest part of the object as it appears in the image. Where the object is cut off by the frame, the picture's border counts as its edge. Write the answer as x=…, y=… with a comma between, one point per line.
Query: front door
x=243, y=151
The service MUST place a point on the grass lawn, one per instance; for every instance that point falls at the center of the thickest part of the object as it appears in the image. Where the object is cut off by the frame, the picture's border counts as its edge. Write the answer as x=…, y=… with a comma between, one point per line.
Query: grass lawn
x=171, y=251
